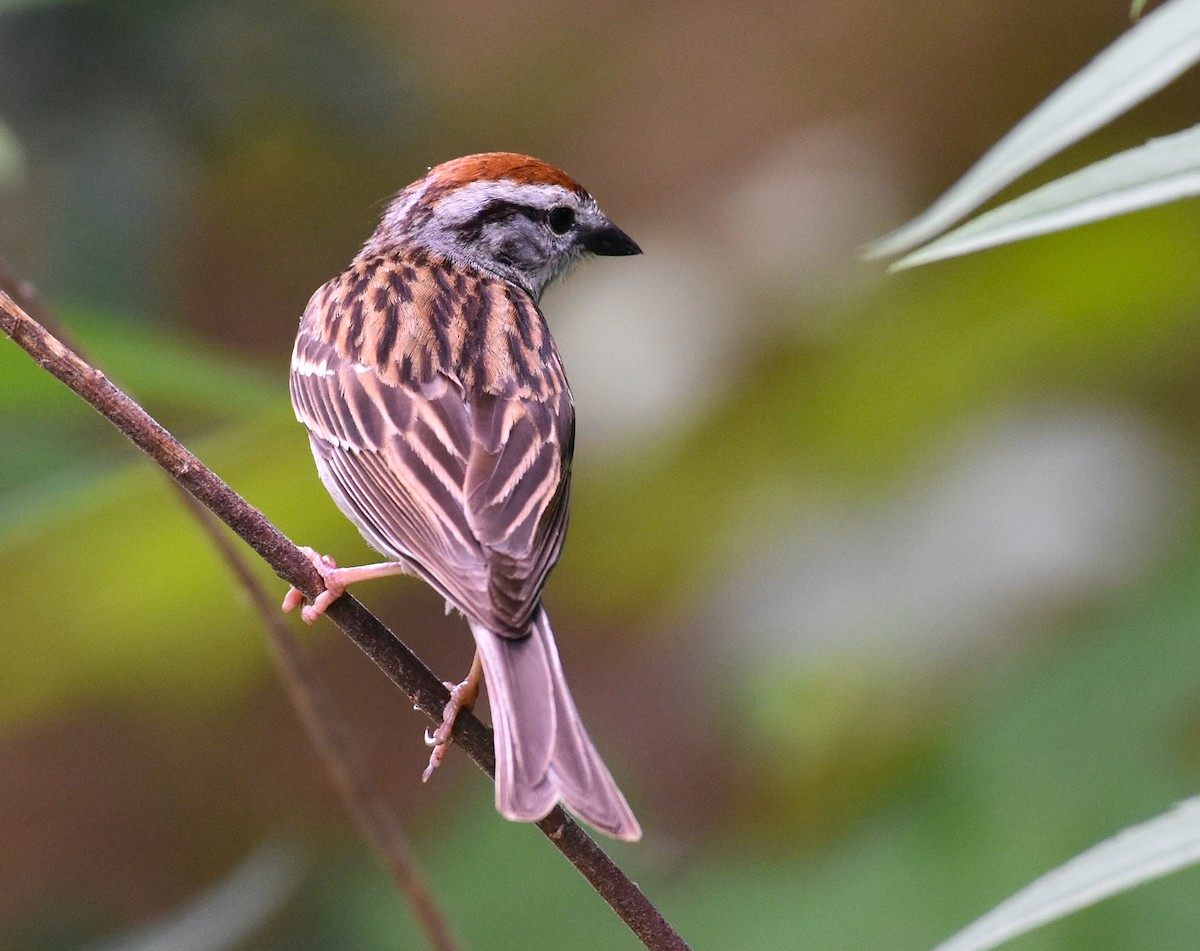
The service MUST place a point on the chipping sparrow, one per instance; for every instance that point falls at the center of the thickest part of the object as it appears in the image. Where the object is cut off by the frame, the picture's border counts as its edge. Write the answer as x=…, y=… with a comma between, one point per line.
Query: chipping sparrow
x=443, y=427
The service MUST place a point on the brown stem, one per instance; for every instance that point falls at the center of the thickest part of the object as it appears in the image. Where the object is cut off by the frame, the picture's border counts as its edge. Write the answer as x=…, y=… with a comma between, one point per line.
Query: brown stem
x=399, y=663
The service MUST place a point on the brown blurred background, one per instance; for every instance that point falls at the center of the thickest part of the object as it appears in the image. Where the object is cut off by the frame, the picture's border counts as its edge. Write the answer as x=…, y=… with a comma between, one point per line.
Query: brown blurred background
x=879, y=594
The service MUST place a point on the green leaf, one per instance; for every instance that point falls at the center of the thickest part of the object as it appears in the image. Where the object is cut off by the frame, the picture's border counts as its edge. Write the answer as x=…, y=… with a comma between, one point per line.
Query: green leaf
x=1160, y=171
x=1139, y=854
x=159, y=366
x=1147, y=57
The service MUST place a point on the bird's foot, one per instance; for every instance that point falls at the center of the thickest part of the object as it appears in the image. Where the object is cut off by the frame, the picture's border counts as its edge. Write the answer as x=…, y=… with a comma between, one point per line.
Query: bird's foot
x=462, y=697
x=334, y=588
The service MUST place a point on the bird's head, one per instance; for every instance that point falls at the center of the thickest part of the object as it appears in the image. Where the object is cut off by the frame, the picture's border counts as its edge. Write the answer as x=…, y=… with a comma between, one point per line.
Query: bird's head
x=511, y=215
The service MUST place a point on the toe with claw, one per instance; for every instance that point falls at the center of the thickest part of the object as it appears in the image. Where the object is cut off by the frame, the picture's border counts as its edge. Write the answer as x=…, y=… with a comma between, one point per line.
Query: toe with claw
x=328, y=570
x=462, y=697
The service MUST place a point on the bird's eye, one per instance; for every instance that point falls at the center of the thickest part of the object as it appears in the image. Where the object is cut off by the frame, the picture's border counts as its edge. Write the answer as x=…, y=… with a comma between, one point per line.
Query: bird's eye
x=561, y=219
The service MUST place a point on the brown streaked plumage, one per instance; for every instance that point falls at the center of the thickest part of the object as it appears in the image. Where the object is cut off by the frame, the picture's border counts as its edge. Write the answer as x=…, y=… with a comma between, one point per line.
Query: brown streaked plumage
x=442, y=424
x=462, y=406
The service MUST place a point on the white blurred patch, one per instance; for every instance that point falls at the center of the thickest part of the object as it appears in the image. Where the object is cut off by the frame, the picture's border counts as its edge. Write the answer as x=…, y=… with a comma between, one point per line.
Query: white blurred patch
x=1031, y=514
x=226, y=914
x=796, y=221
x=648, y=342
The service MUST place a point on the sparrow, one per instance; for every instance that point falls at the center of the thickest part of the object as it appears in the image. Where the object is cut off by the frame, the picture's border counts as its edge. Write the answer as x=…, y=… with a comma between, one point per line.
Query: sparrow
x=443, y=427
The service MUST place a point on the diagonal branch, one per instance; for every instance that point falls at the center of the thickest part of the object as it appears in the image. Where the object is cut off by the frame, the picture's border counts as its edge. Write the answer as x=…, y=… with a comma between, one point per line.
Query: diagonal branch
x=399, y=663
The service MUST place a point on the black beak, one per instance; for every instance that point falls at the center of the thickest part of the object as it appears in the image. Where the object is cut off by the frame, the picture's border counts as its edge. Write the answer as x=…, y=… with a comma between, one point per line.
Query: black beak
x=610, y=241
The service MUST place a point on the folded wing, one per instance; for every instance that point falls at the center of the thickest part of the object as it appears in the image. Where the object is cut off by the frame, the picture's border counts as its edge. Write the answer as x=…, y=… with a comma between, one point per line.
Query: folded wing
x=471, y=490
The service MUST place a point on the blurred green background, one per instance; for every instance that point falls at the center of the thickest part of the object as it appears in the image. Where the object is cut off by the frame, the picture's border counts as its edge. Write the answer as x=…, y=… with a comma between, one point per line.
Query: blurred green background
x=880, y=595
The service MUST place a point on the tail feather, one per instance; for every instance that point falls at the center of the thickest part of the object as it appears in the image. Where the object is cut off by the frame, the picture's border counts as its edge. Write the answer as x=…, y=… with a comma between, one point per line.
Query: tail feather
x=543, y=753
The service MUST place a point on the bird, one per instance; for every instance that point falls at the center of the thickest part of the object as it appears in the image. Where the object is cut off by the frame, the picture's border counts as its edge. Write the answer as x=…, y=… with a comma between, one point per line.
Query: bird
x=443, y=427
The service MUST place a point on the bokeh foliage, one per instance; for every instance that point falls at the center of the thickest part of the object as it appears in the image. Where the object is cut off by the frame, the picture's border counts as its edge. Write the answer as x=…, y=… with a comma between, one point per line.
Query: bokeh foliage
x=200, y=168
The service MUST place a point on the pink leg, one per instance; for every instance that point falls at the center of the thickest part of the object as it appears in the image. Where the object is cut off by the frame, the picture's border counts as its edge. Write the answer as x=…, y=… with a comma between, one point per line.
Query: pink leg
x=336, y=581
x=462, y=697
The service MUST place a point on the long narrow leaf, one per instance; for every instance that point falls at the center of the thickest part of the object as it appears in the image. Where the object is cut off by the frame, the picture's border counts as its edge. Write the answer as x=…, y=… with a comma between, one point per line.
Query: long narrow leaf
x=1140, y=854
x=222, y=917
x=1139, y=63
x=1160, y=171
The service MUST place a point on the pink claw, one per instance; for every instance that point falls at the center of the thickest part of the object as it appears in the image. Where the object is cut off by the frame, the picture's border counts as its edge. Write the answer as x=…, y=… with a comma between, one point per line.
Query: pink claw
x=327, y=568
x=462, y=697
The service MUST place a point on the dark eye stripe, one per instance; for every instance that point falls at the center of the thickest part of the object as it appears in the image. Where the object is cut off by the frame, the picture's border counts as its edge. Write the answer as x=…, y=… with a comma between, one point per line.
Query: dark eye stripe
x=494, y=212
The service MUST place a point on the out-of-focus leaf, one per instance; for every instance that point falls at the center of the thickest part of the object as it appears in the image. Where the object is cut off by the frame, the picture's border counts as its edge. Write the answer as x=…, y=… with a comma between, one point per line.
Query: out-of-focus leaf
x=184, y=384
x=1160, y=171
x=225, y=915
x=160, y=365
x=1147, y=57
x=50, y=493
x=151, y=363
x=12, y=160
x=1137, y=855
x=128, y=589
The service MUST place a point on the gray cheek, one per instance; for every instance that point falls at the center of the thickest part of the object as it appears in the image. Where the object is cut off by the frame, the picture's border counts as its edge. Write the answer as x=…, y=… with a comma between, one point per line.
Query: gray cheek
x=520, y=244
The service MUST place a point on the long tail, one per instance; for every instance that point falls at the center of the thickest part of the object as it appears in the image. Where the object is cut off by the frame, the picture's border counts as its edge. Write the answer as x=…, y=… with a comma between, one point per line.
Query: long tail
x=543, y=753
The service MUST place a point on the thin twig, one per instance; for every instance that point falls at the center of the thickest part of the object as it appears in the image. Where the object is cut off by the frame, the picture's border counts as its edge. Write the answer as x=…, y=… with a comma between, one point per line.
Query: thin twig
x=395, y=659
x=305, y=688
